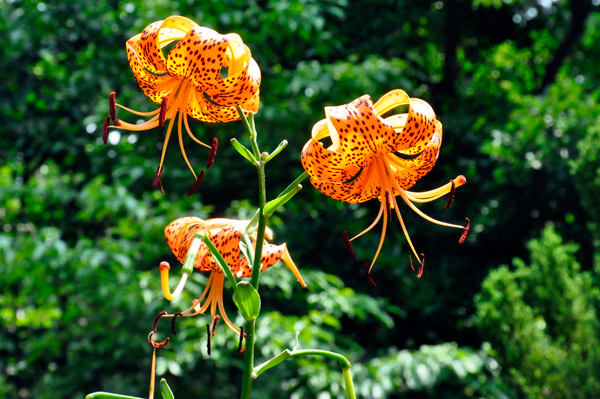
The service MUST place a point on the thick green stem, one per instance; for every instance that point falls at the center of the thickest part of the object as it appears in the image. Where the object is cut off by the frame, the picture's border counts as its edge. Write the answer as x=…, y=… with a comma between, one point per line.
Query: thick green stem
x=248, y=360
x=348, y=383
x=260, y=238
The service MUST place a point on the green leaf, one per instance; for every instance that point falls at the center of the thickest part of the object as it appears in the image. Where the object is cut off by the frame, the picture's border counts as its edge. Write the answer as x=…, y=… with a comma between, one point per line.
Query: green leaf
x=273, y=205
x=247, y=300
x=253, y=224
x=106, y=395
x=279, y=148
x=165, y=390
x=244, y=152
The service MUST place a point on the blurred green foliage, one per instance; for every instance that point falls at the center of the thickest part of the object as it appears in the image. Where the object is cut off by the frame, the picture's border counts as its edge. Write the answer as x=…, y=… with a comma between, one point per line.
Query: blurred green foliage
x=542, y=318
x=513, y=82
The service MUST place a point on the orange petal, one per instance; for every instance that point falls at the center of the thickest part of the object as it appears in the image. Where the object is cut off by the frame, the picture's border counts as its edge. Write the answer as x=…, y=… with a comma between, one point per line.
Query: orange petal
x=199, y=57
x=363, y=188
x=362, y=132
x=198, y=107
x=325, y=165
x=408, y=171
x=237, y=89
x=419, y=128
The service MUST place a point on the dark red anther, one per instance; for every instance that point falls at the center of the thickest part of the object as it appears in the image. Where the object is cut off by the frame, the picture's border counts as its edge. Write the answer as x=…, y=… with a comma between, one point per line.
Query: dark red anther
x=411, y=265
x=196, y=184
x=240, y=349
x=421, y=267
x=163, y=111
x=388, y=203
x=157, y=318
x=105, y=130
x=214, y=323
x=369, y=277
x=208, y=342
x=175, y=316
x=213, y=152
x=113, y=106
x=451, y=197
x=157, y=177
x=463, y=237
x=157, y=344
x=348, y=244
x=117, y=122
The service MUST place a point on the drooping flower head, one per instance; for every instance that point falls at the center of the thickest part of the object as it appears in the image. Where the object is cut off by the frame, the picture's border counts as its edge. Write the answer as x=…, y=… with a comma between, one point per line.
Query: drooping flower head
x=226, y=235
x=205, y=75
x=371, y=157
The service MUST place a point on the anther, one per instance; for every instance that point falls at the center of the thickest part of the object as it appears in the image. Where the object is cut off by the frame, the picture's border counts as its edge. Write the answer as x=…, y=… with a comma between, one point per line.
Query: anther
x=105, y=131
x=117, y=122
x=113, y=105
x=421, y=267
x=369, y=277
x=163, y=111
x=451, y=197
x=175, y=316
x=463, y=237
x=196, y=184
x=388, y=203
x=157, y=344
x=213, y=152
x=214, y=323
x=240, y=349
x=208, y=335
x=348, y=244
x=157, y=176
x=157, y=318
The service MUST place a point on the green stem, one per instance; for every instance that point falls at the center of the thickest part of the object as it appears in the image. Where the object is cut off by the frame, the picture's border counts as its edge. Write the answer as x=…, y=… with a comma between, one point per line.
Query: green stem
x=248, y=360
x=260, y=237
x=286, y=354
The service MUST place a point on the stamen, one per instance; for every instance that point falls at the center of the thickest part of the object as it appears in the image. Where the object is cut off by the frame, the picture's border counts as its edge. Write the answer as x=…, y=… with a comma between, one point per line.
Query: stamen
x=348, y=244
x=240, y=349
x=214, y=323
x=117, y=122
x=411, y=265
x=451, y=197
x=388, y=203
x=157, y=176
x=463, y=237
x=175, y=316
x=208, y=343
x=157, y=344
x=105, y=130
x=367, y=270
x=163, y=111
x=213, y=152
x=157, y=318
x=421, y=266
x=113, y=105
x=196, y=184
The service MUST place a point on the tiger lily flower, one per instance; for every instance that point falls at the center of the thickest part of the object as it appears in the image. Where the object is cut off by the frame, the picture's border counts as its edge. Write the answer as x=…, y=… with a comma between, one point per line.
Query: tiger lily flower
x=205, y=75
x=371, y=157
x=226, y=235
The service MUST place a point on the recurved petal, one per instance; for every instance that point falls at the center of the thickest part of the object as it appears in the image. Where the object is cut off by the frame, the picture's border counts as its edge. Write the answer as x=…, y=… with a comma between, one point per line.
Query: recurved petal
x=155, y=86
x=362, y=132
x=238, y=88
x=271, y=255
x=325, y=165
x=418, y=129
x=253, y=103
x=227, y=241
x=198, y=107
x=363, y=188
x=391, y=100
x=179, y=234
x=199, y=57
x=408, y=171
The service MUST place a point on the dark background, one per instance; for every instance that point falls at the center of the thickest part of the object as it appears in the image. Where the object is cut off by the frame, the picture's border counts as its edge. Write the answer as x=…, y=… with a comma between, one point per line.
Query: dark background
x=515, y=84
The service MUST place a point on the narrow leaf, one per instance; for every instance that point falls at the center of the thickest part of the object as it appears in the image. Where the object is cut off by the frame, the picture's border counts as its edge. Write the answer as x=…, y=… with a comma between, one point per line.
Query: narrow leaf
x=279, y=148
x=247, y=300
x=244, y=152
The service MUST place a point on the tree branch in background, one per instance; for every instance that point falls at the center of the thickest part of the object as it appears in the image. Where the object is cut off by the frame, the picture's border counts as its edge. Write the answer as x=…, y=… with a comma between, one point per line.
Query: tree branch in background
x=580, y=10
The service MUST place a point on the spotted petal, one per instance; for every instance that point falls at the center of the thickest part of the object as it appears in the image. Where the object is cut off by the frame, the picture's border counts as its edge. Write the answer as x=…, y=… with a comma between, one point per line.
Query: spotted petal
x=362, y=133
x=366, y=186
x=238, y=88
